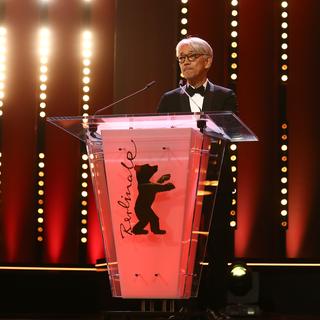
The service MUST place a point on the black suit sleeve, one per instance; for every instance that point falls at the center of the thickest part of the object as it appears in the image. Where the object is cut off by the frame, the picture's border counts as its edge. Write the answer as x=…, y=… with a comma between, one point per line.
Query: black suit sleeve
x=170, y=102
x=230, y=103
x=164, y=105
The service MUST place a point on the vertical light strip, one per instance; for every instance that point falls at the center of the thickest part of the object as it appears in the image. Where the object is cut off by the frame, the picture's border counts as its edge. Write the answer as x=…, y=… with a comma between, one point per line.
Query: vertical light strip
x=86, y=79
x=3, y=58
x=284, y=123
x=234, y=198
x=284, y=41
x=234, y=34
x=233, y=76
x=86, y=70
x=183, y=19
x=284, y=176
x=44, y=47
x=183, y=28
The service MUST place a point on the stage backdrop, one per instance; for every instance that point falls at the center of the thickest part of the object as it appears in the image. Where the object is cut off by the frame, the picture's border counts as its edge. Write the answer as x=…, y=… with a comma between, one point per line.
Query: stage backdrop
x=133, y=43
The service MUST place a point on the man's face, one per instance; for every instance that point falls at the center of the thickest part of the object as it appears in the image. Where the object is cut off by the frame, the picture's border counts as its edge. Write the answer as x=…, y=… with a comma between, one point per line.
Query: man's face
x=195, y=71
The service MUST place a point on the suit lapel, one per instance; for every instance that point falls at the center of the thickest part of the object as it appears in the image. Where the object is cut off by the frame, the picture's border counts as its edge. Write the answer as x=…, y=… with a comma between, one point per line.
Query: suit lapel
x=208, y=101
x=208, y=97
x=184, y=101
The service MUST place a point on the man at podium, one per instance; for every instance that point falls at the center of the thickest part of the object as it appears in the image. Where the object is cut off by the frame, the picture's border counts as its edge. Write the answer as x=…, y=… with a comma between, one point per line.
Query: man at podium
x=195, y=58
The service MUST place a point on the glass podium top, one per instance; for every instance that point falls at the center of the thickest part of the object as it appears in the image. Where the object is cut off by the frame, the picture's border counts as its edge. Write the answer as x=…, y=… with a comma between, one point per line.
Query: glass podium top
x=223, y=124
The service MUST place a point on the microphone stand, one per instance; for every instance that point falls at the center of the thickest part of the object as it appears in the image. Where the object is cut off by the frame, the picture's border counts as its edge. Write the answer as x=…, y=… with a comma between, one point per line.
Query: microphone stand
x=201, y=123
x=93, y=126
x=125, y=98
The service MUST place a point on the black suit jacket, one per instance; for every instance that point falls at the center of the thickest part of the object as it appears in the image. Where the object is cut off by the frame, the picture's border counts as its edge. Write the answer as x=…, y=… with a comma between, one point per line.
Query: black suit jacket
x=214, y=283
x=216, y=98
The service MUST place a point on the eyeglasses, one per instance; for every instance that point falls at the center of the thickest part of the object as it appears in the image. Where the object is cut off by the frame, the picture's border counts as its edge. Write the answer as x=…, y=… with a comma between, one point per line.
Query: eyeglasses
x=190, y=57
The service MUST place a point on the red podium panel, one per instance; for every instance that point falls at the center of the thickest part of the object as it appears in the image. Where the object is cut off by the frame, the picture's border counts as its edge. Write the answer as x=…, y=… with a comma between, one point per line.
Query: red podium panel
x=155, y=179
x=152, y=259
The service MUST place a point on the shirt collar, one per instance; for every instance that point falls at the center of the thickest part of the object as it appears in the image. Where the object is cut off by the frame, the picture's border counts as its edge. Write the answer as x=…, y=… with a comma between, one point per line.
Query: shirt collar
x=204, y=85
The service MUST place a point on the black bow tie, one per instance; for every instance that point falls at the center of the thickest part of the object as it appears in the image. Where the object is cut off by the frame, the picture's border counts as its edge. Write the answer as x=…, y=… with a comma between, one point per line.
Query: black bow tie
x=193, y=91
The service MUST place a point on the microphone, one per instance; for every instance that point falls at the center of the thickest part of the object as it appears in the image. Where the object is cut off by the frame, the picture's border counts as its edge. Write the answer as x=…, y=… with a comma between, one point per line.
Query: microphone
x=184, y=91
x=126, y=97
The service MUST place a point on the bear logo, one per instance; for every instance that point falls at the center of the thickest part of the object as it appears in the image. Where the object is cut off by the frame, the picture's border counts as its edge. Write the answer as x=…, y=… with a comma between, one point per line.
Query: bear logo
x=146, y=196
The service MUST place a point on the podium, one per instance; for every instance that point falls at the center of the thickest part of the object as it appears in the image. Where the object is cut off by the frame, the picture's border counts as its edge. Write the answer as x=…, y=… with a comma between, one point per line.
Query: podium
x=155, y=178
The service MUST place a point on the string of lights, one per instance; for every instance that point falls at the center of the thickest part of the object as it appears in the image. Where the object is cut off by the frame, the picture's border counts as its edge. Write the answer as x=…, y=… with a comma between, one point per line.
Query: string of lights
x=233, y=76
x=3, y=64
x=3, y=55
x=86, y=47
x=183, y=27
x=234, y=25
x=183, y=18
x=44, y=38
x=284, y=123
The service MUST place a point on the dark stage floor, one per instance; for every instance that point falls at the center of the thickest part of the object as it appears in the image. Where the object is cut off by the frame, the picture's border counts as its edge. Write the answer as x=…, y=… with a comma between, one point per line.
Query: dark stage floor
x=120, y=316
x=284, y=294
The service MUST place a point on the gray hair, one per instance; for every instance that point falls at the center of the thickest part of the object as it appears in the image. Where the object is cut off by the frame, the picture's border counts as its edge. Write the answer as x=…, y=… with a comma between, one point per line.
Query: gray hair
x=199, y=45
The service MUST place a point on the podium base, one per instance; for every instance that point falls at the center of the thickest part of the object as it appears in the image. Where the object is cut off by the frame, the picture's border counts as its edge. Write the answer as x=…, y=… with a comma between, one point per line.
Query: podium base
x=158, y=315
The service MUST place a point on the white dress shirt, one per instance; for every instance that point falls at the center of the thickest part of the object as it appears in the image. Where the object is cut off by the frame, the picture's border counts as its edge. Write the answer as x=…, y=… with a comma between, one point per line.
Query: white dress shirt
x=196, y=101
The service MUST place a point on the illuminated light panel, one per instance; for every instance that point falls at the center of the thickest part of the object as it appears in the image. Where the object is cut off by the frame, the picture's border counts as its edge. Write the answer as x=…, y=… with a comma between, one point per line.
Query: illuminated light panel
x=203, y=233
x=3, y=58
x=204, y=193
x=210, y=183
